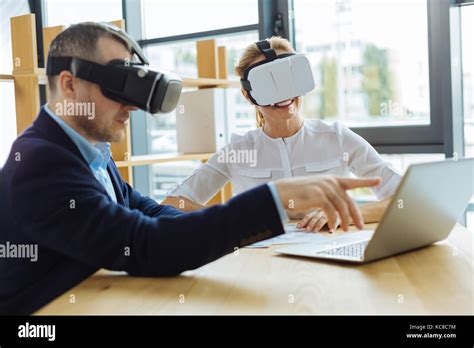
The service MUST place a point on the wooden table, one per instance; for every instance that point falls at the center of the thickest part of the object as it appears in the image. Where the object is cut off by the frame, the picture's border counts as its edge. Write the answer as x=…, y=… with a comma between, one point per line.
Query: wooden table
x=434, y=280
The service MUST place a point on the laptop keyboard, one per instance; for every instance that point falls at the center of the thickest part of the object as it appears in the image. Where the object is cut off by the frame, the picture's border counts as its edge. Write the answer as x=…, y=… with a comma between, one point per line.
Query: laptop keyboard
x=355, y=250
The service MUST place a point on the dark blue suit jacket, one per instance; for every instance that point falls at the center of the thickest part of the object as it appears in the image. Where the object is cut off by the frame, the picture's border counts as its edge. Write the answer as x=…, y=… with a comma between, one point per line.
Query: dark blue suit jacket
x=49, y=197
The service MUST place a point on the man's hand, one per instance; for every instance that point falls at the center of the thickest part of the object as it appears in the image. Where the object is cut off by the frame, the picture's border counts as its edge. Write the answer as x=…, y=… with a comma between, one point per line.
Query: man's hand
x=314, y=221
x=327, y=193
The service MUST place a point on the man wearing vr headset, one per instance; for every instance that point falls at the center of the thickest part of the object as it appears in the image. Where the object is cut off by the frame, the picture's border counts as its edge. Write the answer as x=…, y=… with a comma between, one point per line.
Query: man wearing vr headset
x=62, y=192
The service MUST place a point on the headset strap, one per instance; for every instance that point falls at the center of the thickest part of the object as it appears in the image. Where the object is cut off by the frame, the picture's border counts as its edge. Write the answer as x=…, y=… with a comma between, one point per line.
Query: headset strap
x=267, y=51
x=106, y=76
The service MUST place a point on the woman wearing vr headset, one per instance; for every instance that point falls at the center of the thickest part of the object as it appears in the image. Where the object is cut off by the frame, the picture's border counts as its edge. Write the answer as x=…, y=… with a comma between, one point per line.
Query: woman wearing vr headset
x=285, y=143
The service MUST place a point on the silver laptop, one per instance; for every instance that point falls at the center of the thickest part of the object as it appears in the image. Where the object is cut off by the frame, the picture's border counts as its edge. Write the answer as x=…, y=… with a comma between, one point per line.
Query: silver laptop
x=424, y=210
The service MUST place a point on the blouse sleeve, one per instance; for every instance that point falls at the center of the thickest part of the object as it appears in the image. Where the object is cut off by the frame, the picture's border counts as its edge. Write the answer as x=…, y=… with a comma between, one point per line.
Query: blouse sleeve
x=363, y=160
x=204, y=182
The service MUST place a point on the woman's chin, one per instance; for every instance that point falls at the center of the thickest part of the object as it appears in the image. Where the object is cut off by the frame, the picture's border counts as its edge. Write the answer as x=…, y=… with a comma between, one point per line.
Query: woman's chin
x=287, y=113
x=281, y=116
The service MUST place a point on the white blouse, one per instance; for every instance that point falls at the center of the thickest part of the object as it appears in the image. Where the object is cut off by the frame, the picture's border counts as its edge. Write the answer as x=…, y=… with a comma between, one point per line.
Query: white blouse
x=254, y=158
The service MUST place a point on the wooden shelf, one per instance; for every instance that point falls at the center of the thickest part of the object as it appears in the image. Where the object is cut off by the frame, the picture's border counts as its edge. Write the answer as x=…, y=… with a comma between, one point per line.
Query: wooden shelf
x=39, y=72
x=187, y=81
x=6, y=77
x=163, y=158
x=208, y=82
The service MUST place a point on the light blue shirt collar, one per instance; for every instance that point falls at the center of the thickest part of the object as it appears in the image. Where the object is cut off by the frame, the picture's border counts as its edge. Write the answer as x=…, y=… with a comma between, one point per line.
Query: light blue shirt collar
x=96, y=156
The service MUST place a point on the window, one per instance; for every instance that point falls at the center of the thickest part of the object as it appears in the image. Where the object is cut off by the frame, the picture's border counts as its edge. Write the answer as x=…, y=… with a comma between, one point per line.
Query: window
x=178, y=57
x=176, y=17
x=467, y=42
x=235, y=45
x=369, y=59
x=9, y=9
x=7, y=96
x=467, y=39
x=58, y=12
x=7, y=119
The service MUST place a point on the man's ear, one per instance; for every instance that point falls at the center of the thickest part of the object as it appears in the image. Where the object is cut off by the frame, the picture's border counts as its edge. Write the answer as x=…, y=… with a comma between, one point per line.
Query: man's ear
x=66, y=85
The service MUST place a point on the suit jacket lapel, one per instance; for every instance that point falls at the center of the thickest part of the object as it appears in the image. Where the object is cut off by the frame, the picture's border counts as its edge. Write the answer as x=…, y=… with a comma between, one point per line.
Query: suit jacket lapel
x=52, y=131
x=116, y=182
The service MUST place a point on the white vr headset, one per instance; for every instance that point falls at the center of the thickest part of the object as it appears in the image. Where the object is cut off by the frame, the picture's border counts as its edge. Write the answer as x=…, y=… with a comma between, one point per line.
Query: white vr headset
x=278, y=77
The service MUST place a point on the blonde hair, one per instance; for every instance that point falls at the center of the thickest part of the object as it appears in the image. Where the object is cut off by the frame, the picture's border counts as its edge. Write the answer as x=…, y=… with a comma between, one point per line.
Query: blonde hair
x=252, y=53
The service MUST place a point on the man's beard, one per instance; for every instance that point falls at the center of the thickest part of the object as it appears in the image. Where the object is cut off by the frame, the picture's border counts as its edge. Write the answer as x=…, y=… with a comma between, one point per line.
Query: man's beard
x=99, y=132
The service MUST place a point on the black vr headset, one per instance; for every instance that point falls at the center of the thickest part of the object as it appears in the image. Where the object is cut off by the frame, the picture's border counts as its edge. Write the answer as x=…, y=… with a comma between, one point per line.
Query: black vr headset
x=125, y=81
